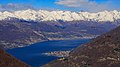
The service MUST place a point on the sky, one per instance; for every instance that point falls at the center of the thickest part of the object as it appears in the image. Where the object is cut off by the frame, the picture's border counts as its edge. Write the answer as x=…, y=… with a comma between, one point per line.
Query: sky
x=71, y=5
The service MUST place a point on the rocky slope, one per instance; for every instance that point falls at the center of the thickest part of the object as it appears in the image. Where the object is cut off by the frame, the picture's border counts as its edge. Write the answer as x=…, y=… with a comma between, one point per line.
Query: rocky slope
x=7, y=60
x=16, y=33
x=103, y=51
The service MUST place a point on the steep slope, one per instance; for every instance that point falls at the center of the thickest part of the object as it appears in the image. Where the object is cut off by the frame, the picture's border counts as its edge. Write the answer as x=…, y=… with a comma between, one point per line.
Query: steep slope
x=16, y=33
x=44, y=15
x=7, y=60
x=103, y=51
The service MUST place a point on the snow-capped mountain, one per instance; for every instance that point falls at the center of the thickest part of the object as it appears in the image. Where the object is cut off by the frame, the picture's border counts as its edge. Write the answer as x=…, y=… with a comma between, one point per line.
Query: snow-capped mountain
x=25, y=27
x=44, y=15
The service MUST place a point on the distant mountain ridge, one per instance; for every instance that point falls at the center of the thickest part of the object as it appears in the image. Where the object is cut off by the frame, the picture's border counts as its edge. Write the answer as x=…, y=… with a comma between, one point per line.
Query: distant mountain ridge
x=44, y=15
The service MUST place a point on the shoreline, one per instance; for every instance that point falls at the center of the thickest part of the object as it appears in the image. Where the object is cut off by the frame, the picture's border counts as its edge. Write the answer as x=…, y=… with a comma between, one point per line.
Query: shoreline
x=49, y=40
x=58, y=53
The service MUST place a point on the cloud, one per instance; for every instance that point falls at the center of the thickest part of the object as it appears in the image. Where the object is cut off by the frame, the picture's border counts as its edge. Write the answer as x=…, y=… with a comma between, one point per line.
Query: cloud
x=13, y=7
x=75, y=3
x=89, y=5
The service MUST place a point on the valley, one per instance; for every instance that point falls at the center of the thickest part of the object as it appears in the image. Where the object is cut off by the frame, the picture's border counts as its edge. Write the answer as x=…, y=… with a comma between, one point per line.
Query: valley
x=59, y=33
x=19, y=33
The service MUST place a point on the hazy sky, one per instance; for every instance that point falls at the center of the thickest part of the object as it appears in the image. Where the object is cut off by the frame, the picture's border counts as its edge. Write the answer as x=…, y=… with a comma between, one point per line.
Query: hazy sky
x=72, y=5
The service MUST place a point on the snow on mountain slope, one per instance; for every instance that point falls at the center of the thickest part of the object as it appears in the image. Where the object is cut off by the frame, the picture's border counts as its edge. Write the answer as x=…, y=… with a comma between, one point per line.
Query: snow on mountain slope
x=44, y=15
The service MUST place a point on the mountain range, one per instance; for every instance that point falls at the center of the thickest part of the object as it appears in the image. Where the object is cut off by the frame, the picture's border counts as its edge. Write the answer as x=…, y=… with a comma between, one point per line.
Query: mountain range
x=25, y=27
x=44, y=15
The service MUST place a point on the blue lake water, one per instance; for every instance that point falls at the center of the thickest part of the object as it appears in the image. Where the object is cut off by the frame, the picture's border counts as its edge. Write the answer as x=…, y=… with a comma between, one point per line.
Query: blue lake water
x=33, y=56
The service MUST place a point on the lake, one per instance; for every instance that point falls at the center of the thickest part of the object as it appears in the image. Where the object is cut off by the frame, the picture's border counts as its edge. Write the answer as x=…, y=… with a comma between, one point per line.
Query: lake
x=33, y=56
